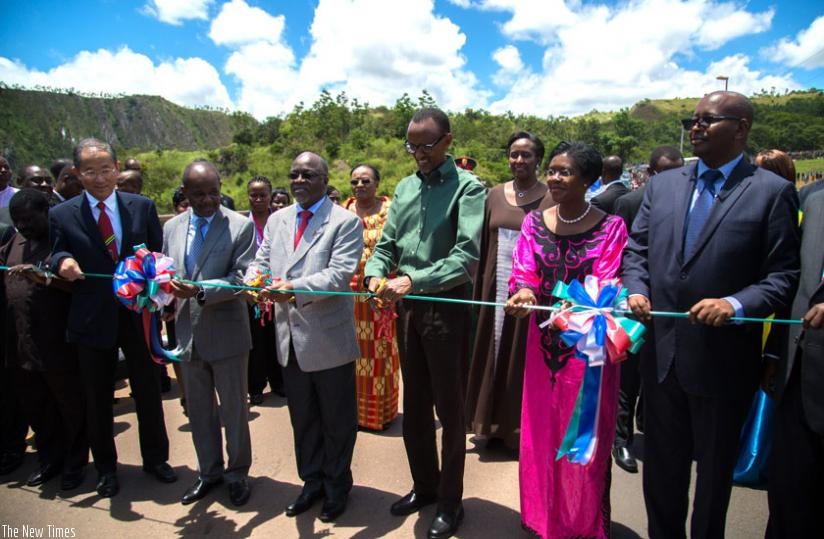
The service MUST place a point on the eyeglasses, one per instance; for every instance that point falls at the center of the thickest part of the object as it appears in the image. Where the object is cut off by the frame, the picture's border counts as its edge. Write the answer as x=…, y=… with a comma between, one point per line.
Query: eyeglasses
x=705, y=121
x=425, y=148
x=356, y=181
x=561, y=172
x=90, y=174
x=309, y=176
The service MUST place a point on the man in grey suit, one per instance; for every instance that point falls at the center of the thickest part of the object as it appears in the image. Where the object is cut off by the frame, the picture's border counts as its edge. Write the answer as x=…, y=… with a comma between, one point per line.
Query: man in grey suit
x=315, y=245
x=795, y=490
x=213, y=245
x=716, y=239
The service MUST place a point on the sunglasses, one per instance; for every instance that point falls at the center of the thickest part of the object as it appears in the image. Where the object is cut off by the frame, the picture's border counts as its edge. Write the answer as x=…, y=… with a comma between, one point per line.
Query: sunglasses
x=705, y=121
x=364, y=181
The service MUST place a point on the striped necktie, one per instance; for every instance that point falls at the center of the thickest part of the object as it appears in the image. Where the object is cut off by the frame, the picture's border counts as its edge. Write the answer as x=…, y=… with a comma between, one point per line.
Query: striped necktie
x=701, y=209
x=107, y=231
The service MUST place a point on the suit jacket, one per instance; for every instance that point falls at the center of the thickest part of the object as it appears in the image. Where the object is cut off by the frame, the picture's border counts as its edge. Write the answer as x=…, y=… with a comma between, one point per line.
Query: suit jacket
x=73, y=233
x=321, y=327
x=811, y=342
x=627, y=205
x=219, y=327
x=808, y=190
x=606, y=199
x=747, y=249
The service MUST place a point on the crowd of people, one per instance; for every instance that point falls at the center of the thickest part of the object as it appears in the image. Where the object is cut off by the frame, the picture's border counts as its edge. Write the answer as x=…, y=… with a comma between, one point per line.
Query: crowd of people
x=333, y=302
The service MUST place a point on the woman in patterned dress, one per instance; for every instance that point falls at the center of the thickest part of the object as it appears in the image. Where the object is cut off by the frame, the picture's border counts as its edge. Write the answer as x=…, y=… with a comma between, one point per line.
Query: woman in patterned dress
x=377, y=370
x=568, y=241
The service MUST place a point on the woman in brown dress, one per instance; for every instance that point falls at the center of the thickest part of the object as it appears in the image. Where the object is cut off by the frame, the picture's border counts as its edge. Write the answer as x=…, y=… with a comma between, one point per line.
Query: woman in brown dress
x=377, y=370
x=493, y=397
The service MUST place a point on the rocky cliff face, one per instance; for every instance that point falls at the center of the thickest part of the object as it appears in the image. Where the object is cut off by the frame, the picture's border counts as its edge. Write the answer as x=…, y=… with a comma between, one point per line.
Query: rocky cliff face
x=38, y=126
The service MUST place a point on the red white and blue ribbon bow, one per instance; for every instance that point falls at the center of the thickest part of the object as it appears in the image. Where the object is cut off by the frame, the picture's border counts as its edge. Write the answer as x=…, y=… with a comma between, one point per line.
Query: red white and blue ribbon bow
x=142, y=283
x=591, y=323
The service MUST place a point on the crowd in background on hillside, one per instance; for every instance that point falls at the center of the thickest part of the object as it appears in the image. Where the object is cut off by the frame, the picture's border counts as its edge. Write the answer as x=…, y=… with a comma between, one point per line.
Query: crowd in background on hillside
x=354, y=295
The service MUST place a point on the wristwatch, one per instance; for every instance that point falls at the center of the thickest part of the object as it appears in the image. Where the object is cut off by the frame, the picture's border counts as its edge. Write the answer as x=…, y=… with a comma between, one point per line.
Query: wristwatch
x=200, y=296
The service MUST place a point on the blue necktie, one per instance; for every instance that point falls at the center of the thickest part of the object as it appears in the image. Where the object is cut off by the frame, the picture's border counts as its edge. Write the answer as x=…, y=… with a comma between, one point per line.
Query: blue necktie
x=197, y=244
x=701, y=209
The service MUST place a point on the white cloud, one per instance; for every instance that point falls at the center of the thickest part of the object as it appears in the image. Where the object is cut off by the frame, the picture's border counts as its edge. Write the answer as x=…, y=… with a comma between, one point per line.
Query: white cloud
x=238, y=24
x=807, y=50
x=361, y=47
x=176, y=11
x=608, y=57
x=185, y=81
x=510, y=65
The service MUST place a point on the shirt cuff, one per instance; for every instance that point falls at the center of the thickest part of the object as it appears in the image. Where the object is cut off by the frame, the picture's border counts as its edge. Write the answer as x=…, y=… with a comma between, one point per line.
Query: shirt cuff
x=736, y=305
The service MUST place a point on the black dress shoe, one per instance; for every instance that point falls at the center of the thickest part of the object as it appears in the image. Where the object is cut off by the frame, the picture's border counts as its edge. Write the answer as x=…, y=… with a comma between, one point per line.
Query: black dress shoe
x=446, y=524
x=624, y=459
x=163, y=472
x=197, y=491
x=332, y=509
x=239, y=492
x=411, y=503
x=10, y=461
x=43, y=473
x=72, y=479
x=303, y=502
x=107, y=485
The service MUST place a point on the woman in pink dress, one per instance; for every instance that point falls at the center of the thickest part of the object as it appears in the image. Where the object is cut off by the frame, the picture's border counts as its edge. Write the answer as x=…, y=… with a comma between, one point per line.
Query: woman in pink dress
x=563, y=243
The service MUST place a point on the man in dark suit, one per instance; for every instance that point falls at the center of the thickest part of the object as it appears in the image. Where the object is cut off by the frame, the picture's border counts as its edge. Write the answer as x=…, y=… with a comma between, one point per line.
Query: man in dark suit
x=716, y=239
x=795, y=490
x=611, y=172
x=90, y=233
x=629, y=404
x=212, y=327
x=315, y=245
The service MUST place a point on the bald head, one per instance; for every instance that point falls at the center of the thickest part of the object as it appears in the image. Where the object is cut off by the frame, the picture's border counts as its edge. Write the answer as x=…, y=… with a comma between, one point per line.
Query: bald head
x=201, y=187
x=612, y=169
x=308, y=177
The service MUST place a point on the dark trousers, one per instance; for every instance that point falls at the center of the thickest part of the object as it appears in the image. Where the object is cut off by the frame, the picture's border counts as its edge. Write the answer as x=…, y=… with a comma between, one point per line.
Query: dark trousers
x=56, y=411
x=324, y=415
x=680, y=427
x=13, y=427
x=627, y=401
x=263, y=358
x=796, y=487
x=433, y=344
x=97, y=368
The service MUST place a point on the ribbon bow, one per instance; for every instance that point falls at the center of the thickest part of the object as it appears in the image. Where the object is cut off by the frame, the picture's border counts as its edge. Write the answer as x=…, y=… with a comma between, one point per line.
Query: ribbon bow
x=591, y=324
x=142, y=283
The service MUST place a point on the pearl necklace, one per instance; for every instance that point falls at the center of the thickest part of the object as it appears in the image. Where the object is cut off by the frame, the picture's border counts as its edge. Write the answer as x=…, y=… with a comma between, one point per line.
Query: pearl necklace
x=522, y=194
x=576, y=219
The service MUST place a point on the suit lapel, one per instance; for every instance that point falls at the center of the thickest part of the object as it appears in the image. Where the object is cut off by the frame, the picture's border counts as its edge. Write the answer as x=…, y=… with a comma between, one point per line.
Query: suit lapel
x=126, y=242
x=312, y=232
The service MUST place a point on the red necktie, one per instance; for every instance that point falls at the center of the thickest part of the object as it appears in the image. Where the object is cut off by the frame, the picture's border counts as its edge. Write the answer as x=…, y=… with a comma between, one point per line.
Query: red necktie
x=305, y=215
x=106, y=231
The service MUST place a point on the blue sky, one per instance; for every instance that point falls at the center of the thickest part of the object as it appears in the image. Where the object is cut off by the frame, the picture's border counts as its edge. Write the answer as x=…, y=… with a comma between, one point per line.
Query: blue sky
x=544, y=57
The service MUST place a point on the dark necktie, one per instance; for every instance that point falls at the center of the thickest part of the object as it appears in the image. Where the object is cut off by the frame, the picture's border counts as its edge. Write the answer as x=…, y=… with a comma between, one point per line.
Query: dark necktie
x=701, y=209
x=305, y=215
x=106, y=231
x=197, y=244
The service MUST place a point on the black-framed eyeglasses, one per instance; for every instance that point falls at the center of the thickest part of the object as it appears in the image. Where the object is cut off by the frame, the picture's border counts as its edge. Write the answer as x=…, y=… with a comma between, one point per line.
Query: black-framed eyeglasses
x=356, y=181
x=305, y=174
x=705, y=121
x=425, y=148
x=90, y=174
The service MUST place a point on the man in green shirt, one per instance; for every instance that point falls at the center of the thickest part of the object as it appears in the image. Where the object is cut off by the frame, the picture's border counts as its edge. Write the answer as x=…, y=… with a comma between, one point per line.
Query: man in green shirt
x=431, y=241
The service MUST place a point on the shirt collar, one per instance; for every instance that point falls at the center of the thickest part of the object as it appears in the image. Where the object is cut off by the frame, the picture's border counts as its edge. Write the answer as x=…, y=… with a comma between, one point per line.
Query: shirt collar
x=110, y=202
x=447, y=170
x=193, y=215
x=725, y=169
x=314, y=207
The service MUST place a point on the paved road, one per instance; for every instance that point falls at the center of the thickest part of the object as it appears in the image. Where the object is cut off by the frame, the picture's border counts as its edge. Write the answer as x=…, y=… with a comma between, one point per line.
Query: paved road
x=148, y=509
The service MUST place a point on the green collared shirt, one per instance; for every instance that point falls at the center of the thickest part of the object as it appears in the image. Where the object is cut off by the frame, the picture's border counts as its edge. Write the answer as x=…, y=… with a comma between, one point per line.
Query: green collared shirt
x=433, y=231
